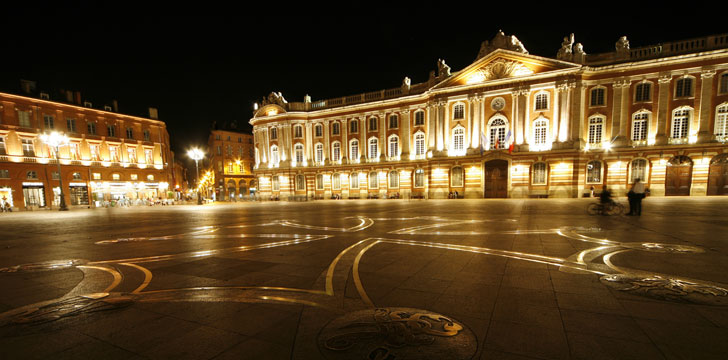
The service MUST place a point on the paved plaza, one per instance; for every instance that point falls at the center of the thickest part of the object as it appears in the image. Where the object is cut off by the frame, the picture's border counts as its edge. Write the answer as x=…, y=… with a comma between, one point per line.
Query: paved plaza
x=376, y=279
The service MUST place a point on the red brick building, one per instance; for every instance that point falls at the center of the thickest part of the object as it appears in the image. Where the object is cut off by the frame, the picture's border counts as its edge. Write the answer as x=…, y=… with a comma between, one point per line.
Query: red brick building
x=110, y=156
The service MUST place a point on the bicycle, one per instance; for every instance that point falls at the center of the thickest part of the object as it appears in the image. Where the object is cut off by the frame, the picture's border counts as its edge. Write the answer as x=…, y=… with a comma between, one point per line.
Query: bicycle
x=611, y=208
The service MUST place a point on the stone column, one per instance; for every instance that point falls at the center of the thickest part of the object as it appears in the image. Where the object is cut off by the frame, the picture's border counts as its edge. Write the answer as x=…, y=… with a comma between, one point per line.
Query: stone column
x=308, y=142
x=344, y=142
x=564, y=93
x=431, y=126
x=705, y=111
x=404, y=133
x=520, y=120
x=440, y=126
x=577, y=105
x=382, y=136
x=475, y=122
x=663, y=97
x=327, y=145
x=446, y=126
x=620, y=108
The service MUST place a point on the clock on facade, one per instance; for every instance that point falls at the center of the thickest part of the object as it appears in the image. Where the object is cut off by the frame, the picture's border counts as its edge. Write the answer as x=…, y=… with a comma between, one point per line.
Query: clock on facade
x=498, y=104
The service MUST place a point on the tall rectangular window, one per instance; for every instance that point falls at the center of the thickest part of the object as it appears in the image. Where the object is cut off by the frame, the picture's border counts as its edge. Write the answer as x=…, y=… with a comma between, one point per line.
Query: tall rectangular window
x=354, y=180
x=419, y=118
x=28, y=147
x=111, y=131
x=3, y=149
x=642, y=92
x=91, y=128
x=639, y=126
x=684, y=87
x=129, y=133
x=147, y=135
x=48, y=121
x=71, y=125
x=597, y=97
x=24, y=118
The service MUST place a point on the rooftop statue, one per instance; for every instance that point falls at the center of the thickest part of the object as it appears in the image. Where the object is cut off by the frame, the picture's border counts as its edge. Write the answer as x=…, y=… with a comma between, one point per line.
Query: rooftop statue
x=501, y=41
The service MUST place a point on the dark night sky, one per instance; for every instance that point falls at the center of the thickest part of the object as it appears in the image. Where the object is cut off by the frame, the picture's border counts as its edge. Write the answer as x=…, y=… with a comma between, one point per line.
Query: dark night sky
x=204, y=68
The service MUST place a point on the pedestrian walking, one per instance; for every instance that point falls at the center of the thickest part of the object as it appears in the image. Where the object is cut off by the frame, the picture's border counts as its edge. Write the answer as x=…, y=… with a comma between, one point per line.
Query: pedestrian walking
x=635, y=196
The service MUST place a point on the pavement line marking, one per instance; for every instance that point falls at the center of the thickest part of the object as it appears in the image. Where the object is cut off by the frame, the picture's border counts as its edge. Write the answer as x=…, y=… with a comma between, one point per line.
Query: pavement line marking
x=147, y=277
x=332, y=266
x=357, y=279
x=114, y=273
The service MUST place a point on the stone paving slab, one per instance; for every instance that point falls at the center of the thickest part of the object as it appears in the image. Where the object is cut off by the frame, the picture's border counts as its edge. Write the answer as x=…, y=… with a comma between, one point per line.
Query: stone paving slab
x=460, y=279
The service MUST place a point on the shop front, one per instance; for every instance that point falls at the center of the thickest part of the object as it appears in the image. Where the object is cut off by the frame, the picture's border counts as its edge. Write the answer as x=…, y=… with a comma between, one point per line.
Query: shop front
x=34, y=195
x=127, y=193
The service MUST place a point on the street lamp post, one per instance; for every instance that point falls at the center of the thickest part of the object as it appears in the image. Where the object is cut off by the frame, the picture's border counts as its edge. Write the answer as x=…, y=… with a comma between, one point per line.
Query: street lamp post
x=197, y=155
x=56, y=140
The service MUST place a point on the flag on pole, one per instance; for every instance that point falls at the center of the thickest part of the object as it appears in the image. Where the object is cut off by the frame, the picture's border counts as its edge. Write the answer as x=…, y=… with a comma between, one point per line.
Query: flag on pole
x=509, y=142
x=483, y=141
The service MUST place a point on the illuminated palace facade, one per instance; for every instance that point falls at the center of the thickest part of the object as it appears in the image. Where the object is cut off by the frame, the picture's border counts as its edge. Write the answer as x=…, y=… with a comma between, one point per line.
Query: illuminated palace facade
x=110, y=155
x=512, y=124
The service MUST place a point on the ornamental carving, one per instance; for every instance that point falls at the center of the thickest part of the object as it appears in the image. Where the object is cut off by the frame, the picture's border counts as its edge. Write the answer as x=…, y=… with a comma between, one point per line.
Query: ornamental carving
x=501, y=41
x=499, y=69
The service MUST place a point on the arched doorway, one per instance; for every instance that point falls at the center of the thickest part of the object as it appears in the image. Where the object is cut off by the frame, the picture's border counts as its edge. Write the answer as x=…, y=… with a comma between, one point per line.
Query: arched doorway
x=243, y=188
x=231, y=189
x=678, y=176
x=718, y=175
x=495, y=179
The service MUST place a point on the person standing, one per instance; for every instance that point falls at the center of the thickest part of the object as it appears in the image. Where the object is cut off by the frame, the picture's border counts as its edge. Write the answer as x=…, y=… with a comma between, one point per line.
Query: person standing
x=635, y=195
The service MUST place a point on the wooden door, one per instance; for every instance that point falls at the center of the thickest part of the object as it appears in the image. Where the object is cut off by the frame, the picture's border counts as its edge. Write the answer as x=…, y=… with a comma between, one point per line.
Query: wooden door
x=678, y=177
x=718, y=179
x=496, y=179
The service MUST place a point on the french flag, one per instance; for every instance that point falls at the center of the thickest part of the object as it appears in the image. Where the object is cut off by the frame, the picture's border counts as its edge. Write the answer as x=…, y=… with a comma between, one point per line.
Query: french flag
x=508, y=142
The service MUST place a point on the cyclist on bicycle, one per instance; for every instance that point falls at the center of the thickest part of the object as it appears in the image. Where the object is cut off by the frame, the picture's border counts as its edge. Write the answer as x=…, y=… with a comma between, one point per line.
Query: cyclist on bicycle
x=605, y=198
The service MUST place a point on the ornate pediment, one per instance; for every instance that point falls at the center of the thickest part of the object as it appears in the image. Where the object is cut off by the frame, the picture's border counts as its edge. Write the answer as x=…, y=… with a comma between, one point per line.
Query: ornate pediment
x=501, y=41
x=498, y=69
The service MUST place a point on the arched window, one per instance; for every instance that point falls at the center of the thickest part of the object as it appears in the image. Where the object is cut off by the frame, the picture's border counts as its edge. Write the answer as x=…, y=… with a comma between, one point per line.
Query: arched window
x=276, y=183
x=393, y=151
x=318, y=130
x=336, y=151
x=298, y=153
x=394, y=179
x=598, y=96
x=300, y=182
x=458, y=111
x=373, y=124
x=721, y=120
x=684, y=87
x=643, y=92
x=420, y=144
x=273, y=155
x=335, y=128
x=373, y=148
x=298, y=131
x=354, y=180
x=354, y=126
x=319, y=181
x=374, y=180
x=457, y=176
x=681, y=122
x=319, y=153
x=458, y=140
x=539, y=173
x=354, y=150
x=497, y=133
x=638, y=170
x=594, y=172
x=419, y=180
x=31, y=175
x=541, y=102
x=596, y=128
x=640, y=122
x=419, y=118
x=540, y=133
x=76, y=176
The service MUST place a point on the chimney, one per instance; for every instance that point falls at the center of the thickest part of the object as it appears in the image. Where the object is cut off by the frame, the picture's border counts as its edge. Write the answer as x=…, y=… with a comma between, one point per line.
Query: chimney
x=69, y=96
x=115, y=106
x=78, y=98
x=153, y=113
x=27, y=86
